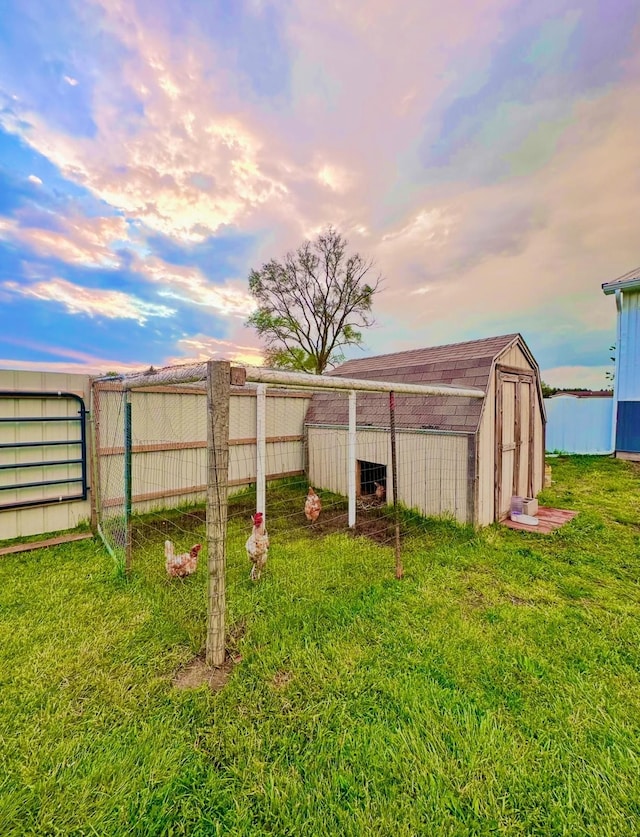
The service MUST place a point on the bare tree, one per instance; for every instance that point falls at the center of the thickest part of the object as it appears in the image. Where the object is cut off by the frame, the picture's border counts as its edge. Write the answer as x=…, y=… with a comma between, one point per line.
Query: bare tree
x=313, y=303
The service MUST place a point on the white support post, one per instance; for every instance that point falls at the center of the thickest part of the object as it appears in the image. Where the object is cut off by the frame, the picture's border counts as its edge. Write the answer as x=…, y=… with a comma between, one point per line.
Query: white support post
x=351, y=458
x=261, y=448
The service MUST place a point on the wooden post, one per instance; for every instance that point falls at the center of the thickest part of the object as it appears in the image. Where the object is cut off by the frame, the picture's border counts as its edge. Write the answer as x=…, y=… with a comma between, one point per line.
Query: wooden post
x=218, y=390
x=128, y=492
x=351, y=459
x=394, y=477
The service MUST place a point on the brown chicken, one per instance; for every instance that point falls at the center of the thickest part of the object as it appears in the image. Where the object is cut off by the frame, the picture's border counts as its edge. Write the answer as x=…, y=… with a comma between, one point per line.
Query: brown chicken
x=380, y=492
x=312, y=506
x=180, y=566
x=257, y=545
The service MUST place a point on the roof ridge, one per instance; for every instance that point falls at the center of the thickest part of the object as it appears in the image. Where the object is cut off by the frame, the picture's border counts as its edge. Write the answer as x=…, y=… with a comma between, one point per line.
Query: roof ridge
x=508, y=337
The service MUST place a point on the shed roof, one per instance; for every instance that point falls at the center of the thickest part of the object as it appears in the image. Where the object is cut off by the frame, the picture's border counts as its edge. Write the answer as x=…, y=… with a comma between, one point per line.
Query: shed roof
x=457, y=364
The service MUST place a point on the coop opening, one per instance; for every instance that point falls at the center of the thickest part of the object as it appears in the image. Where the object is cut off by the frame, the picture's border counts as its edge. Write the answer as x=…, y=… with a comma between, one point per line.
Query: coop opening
x=372, y=479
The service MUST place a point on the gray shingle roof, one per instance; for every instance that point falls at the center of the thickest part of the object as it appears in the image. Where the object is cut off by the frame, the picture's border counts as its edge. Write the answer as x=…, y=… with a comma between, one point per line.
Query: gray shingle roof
x=458, y=364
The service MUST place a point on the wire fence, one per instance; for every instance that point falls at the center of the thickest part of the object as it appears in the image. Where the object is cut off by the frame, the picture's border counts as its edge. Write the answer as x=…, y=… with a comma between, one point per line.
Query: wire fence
x=326, y=493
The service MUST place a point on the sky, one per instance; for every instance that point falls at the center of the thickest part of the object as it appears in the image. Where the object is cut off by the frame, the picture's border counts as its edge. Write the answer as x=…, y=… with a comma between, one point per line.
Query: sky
x=485, y=154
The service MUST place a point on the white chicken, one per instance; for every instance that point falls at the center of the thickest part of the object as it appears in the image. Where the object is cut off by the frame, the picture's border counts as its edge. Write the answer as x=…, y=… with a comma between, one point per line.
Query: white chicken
x=257, y=545
x=180, y=566
x=312, y=506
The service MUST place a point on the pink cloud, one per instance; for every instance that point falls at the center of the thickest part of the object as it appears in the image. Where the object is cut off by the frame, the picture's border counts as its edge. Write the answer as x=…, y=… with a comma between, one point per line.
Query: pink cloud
x=79, y=240
x=90, y=301
x=191, y=285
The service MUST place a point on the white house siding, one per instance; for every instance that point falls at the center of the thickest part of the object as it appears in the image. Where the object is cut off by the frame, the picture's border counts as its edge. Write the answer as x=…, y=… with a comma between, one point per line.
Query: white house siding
x=432, y=467
x=63, y=514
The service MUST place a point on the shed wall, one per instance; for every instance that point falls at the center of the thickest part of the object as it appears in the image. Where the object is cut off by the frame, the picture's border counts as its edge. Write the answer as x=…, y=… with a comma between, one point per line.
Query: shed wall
x=432, y=467
x=62, y=515
x=516, y=358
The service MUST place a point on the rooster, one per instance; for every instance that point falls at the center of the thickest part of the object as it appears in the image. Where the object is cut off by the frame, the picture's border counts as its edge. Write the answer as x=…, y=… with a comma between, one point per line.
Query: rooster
x=312, y=506
x=180, y=566
x=257, y=545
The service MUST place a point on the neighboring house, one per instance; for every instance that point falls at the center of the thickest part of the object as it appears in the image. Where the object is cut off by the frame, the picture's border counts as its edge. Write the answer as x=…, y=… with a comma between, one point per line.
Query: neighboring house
x=626, y=392
x=460, y=456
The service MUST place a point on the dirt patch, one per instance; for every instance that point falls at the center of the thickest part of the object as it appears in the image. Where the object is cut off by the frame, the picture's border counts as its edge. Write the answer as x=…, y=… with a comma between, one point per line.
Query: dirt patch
x=281, y=678
x=370, y=523
x=474, y=598
x=516, y=600
x=197, y=673
x=173, y=526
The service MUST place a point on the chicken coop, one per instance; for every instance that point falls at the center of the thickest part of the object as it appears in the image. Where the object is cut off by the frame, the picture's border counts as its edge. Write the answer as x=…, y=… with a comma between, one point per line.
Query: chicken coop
x=456, y=456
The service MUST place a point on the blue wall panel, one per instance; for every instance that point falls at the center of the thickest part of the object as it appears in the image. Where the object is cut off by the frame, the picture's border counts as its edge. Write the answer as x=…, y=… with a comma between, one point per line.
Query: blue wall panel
x=628, y=428
x=579, y=425
x=628, y=379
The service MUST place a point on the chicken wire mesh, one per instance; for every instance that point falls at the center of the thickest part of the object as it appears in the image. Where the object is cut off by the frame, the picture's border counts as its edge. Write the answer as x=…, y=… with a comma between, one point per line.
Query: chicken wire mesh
x=153, y=481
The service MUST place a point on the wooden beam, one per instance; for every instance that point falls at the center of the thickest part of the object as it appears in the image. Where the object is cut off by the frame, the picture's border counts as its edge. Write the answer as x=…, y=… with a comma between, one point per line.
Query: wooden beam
x=27, y=547
x=195, y=489
x=168, y=446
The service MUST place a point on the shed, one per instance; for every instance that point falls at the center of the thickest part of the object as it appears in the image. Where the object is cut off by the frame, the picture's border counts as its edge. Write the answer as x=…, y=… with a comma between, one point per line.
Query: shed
x=626, y=385
x=456, y=456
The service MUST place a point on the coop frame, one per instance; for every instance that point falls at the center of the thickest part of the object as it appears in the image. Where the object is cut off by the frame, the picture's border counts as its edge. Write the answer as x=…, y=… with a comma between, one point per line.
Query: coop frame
x=219, y=376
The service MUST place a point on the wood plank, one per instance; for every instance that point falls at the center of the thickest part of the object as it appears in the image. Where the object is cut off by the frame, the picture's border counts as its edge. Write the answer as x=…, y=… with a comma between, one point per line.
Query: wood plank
x=194, y=445
x=27, y=547
x=497, y=484
x=517, y=409
x=190, y=390
x=195, y=489
x=549, y=520
x=532, y=436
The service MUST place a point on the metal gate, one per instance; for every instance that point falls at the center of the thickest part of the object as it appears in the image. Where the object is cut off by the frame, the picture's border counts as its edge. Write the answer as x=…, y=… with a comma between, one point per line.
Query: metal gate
x=50, y=448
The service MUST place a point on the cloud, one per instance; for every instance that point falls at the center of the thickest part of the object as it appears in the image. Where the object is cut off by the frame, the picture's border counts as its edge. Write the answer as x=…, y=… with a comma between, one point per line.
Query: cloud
x=201, y=347
x=77, y=240
x=34, y=179
x=191, y=285
x=577, y=377
x=91, y=301
x=486, y=157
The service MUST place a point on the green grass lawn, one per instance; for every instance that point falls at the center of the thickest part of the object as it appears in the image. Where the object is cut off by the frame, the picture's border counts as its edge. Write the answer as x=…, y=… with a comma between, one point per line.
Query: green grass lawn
x=494, y=690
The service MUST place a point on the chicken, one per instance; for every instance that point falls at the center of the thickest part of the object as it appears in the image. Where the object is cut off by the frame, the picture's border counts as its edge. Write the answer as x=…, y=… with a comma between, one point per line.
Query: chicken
x=312, y=506
x=257, y=545
x=380, y=492
x=180, y=566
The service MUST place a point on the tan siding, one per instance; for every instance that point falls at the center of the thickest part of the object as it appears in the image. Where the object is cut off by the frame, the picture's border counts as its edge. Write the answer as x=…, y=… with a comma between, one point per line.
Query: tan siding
x=515, y=357
x=432, y=468
x=177, y=418
x=61, y=515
